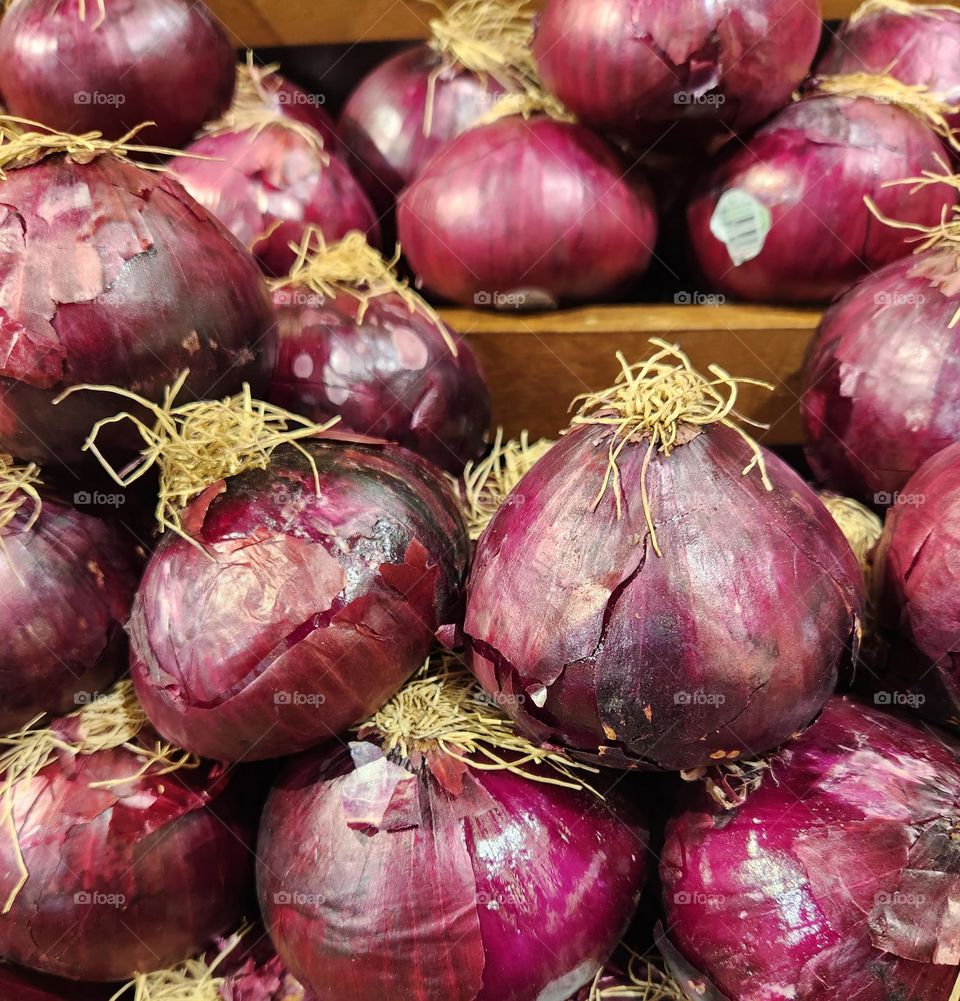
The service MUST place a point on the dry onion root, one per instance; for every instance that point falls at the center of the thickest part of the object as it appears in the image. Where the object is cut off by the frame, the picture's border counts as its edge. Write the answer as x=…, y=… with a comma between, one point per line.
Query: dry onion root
x=644, y=980
x=18, y=486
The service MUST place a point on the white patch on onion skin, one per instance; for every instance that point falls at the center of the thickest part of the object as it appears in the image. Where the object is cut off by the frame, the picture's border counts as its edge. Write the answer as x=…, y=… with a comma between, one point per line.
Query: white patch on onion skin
x=566, y=986
x=411, y=350
x=303, y=365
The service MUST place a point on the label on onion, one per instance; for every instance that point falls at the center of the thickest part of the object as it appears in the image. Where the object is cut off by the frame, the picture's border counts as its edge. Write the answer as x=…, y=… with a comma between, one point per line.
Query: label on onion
x=741, y=223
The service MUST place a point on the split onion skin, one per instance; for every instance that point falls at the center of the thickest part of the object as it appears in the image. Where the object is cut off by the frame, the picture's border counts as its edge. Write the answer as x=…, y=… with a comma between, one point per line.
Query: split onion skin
x=671, y=72
x=539, y=208
x=267, y=184
x=882, y=378
x=834, y=879
x=155, y=866
x=810, y=166
x=164, y=61
x=67, y=585
x=391, y=375
x=299, y=616
x=111, y=274
x=382, y=122
x=474, y=884
x=593, y=643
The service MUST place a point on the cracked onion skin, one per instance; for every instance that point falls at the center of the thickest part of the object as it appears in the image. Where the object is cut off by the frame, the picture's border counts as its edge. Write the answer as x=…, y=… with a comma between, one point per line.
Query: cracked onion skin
x=810, y=166
x=691, y=70
x=110, y=274
x=168, y=62
x=836, y=878
x=391, y=375
x=475, y=886
x=267, y=184
x=155, y=867
x=882, y=378
x=471, y=231
x=726, y=645
x=67, y=583
x=311, y=612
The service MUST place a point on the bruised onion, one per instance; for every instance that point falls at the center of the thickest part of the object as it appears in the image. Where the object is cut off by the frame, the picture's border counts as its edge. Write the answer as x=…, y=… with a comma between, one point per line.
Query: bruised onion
x=120, y=854
x=781, y=217
x=523, y=213
x=111, y=273
x=478, y=860
x=658, y=590
x=836, y=878
x=110, y=65
x=356, y=341
x=642, y=69
x=67, y=581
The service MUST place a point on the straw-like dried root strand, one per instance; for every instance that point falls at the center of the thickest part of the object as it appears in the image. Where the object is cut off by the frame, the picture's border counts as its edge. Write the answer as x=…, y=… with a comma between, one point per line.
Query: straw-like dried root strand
x=101, y=12
x=870, y=7
x=533, y=101
x=18, y=486
x=731, y=782
x=645, y=982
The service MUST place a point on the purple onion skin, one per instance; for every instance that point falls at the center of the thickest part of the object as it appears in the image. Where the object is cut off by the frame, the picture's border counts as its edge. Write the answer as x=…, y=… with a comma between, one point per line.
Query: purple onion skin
x=113, y=274
x=67, y=586
x=835, y=880
x=540, y=208
x=391, y=376
x=643, y=70
x=382, y=122
x=155, y=866
x=266, y=185
x=882, y=379
x=310, y=613
x=811, y=166
x=728, y=643
x=916, y=48
x=289, y=100
x=475, y=886
x=163, y=61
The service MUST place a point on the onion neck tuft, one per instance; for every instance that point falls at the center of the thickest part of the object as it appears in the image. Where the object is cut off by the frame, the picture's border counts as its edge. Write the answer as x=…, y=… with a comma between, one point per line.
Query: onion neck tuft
x=870, y=7
x=533, y=101
x=729, y=782
x=860, y=526
x=659, y=401
x=644, y=981
x=18, y=486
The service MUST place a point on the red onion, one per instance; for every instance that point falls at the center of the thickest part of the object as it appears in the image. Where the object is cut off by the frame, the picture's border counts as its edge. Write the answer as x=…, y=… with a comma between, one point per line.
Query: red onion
x=475, y=883
x=916, y=44
x=110, y=273
x=110, y=65
x=882, y=379
x=67, y=581
x=836, y=878
x=781, y=217
x=269, y=182
x=526, y=213
x=640, y=69
x=25, y=985
x=628, y=600
x=371, y=350
x=131, y=875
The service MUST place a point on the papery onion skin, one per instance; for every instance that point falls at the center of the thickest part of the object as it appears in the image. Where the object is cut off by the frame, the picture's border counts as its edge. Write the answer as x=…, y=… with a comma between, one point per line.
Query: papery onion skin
x=311, y=612
x=474, y=232
x=67, y=583
x=833, y=880
x=882, y=378
x=113, y=274
x=471, y=893
x=155, y=866
x=267, y=184
x=252, y=971
x=810, y=167
x=664, y=72
x=661, y=662
x=383, y=121
x=392, y=375
x=163, y=61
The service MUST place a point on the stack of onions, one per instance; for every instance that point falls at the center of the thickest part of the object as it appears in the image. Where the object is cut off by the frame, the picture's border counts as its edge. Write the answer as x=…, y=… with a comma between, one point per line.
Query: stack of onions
x=782, y=217
x=267, y=175
x=408, y=107
x=109, y=863
x=299, y=583
x=836, y=878
x=627, y=601
x=357, y=342
x=663, y=72
x=479, y=853
x=111, y=273
x=108, y=65
x=67, y=581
